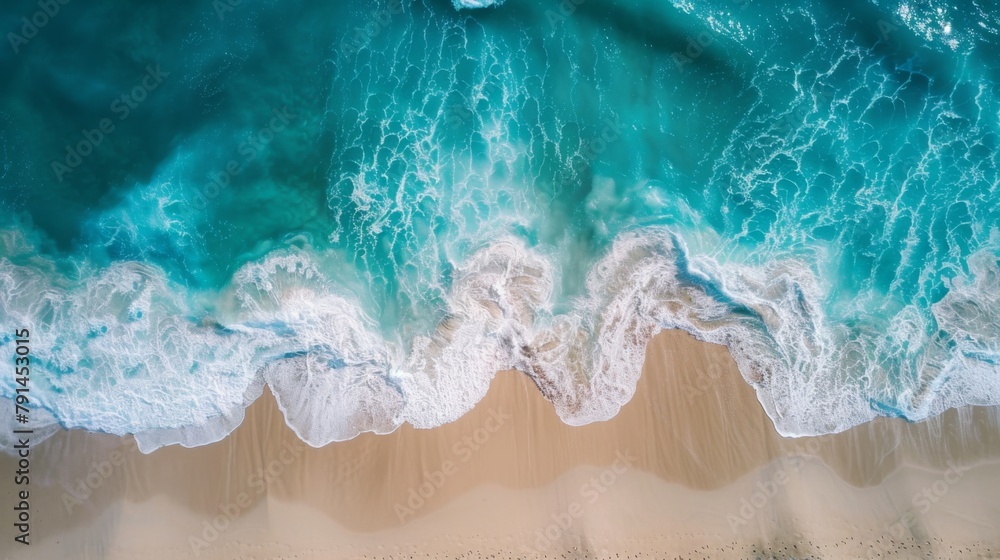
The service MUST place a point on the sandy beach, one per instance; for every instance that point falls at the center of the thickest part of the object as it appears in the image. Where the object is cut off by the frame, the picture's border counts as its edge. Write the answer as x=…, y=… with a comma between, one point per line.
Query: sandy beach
x=691, y=468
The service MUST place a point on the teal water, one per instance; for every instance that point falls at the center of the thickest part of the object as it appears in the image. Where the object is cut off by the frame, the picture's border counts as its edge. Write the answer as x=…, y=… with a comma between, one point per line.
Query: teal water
x=373, y=208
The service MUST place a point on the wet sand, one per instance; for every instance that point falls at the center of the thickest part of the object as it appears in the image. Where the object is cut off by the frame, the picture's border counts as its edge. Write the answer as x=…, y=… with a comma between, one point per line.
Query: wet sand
x=691, y=467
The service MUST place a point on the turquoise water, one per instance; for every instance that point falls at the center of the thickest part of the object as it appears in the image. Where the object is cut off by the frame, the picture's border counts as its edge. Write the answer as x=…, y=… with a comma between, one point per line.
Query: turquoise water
x=373, y=208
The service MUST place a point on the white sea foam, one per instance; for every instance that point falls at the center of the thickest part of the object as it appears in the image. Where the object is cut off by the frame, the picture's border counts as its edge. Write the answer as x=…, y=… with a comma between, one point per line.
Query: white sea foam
x=120, y=352
x=969, y=373
x=334, y=381
x=472, y=4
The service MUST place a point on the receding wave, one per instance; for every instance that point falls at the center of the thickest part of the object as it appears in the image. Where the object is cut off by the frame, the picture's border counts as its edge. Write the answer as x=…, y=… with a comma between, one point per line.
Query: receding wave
x=448, y=193
x=136, y=360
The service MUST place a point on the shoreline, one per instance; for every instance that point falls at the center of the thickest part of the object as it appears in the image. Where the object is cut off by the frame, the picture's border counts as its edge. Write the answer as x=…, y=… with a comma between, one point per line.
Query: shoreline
x=673, y=471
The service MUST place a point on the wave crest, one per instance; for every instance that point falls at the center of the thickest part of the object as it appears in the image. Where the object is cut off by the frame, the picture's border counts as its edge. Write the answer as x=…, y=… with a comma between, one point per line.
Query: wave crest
x=123, y=351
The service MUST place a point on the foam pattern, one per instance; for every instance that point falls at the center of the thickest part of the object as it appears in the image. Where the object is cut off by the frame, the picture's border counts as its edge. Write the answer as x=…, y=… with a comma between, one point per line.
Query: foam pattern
x=537, y=189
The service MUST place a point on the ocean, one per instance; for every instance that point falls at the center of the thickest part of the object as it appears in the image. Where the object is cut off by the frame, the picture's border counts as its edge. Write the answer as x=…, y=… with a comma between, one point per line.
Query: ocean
x=373, y=207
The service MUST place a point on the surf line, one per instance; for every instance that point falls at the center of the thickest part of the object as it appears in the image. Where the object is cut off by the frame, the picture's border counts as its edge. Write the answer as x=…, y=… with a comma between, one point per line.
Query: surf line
x=22, y=370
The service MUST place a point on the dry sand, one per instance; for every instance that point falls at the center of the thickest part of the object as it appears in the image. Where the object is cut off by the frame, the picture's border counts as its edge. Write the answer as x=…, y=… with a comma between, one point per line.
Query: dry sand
x=691, y=467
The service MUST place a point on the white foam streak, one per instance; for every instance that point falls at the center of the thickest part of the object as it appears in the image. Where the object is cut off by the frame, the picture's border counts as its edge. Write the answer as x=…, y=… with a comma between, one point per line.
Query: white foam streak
x=474, y=4
x=120, y=352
